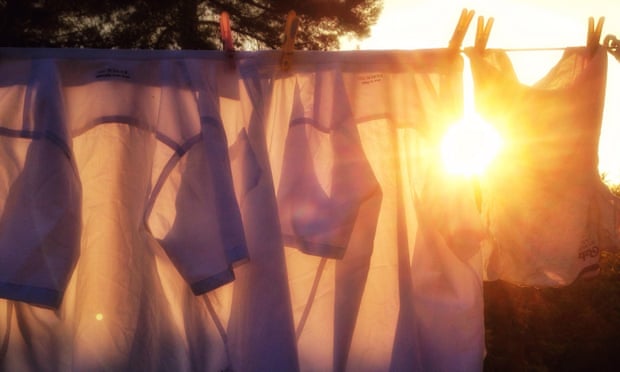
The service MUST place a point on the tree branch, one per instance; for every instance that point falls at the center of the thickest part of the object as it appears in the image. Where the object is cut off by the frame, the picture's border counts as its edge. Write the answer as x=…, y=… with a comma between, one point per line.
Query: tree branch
x=242, y=32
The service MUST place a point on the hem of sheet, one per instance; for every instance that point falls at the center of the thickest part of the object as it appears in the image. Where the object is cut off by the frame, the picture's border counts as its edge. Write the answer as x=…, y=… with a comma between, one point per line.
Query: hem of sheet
x=313, y=248
x=239, y=257
x=589, y=272
x=213, y=282
x=33, y=295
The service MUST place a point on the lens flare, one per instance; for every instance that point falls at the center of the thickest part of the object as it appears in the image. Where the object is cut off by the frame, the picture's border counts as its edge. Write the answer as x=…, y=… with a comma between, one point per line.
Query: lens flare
x=469, y=147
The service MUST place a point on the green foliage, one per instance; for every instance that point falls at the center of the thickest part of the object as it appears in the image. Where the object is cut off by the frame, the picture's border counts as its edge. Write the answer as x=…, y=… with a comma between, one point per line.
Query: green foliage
x=180, y=24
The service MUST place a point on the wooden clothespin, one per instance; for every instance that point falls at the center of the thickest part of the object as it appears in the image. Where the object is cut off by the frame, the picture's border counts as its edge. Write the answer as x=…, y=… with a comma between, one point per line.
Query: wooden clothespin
x=226, y=35
x=482, y=33
x=613, y=46
x=288, y=44
x=594, y=34
x=461, y=29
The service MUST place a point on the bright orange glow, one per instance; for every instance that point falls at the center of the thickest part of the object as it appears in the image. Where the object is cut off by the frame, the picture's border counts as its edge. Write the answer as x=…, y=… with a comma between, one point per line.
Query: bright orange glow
x=99, y=316
x=415, y=24
x=469, y=146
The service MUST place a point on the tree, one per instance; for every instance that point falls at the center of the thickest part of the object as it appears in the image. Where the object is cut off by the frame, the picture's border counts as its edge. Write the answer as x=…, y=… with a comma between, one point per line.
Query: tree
x=180, y=24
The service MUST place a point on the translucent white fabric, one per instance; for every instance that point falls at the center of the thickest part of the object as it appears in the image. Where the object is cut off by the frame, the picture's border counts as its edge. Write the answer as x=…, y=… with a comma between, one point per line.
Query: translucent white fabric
x=385, y=274
x=165, y=210
x=134, y=144
x=40, y=201
x=543, y=200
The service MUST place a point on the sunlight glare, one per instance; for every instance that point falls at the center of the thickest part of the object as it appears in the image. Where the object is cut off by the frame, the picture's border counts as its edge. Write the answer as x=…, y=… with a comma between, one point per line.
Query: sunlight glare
x=407, y=24
x=469, y=146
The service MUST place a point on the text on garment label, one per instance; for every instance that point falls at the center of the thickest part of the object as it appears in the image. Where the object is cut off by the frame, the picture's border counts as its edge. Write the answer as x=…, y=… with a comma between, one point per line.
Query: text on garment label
x=370, y=79
x=113, y=73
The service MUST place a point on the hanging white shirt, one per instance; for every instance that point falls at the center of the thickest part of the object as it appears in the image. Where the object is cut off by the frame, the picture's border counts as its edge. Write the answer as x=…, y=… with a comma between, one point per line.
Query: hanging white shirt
x=542, y=200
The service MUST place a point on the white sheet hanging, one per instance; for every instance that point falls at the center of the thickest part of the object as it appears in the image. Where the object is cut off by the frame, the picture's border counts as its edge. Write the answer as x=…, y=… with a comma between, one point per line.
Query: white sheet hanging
x=160, y=169
x=373, y=288
x=160, y=217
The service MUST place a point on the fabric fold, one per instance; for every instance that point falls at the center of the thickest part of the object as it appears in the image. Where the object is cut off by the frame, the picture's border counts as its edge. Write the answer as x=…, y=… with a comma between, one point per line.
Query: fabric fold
x=40, y=210
x=325, y=176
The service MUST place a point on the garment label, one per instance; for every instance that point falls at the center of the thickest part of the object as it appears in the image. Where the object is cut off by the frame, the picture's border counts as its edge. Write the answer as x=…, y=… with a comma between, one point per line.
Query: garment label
x=113, y=73
x=370, y=79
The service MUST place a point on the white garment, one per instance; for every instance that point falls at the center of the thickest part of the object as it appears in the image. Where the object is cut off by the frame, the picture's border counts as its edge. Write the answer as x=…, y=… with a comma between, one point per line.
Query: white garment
x=40, y=189
x=159, y=168
x=543, y=200
x=126, y=127
x=325, y=177
x=259, y=331
x=345, y=133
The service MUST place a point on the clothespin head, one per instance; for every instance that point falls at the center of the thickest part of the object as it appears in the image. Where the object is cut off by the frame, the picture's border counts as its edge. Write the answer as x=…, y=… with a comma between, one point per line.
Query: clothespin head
x=613, y=45
x=288, y=45
x=594, y=34
x=461, y=29
x=483, y=30
x=226, y=35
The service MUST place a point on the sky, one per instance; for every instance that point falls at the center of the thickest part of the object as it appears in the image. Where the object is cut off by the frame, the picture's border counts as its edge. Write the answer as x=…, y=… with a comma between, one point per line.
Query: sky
x=409, y=24
x=415, y=24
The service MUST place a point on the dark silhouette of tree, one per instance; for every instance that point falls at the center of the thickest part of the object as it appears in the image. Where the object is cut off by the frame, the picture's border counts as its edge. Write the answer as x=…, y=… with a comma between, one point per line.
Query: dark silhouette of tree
x=180, y=24
x=571, y=328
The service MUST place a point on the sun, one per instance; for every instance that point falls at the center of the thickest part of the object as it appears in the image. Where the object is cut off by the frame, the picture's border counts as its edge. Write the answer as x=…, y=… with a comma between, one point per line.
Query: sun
x=469, y=146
